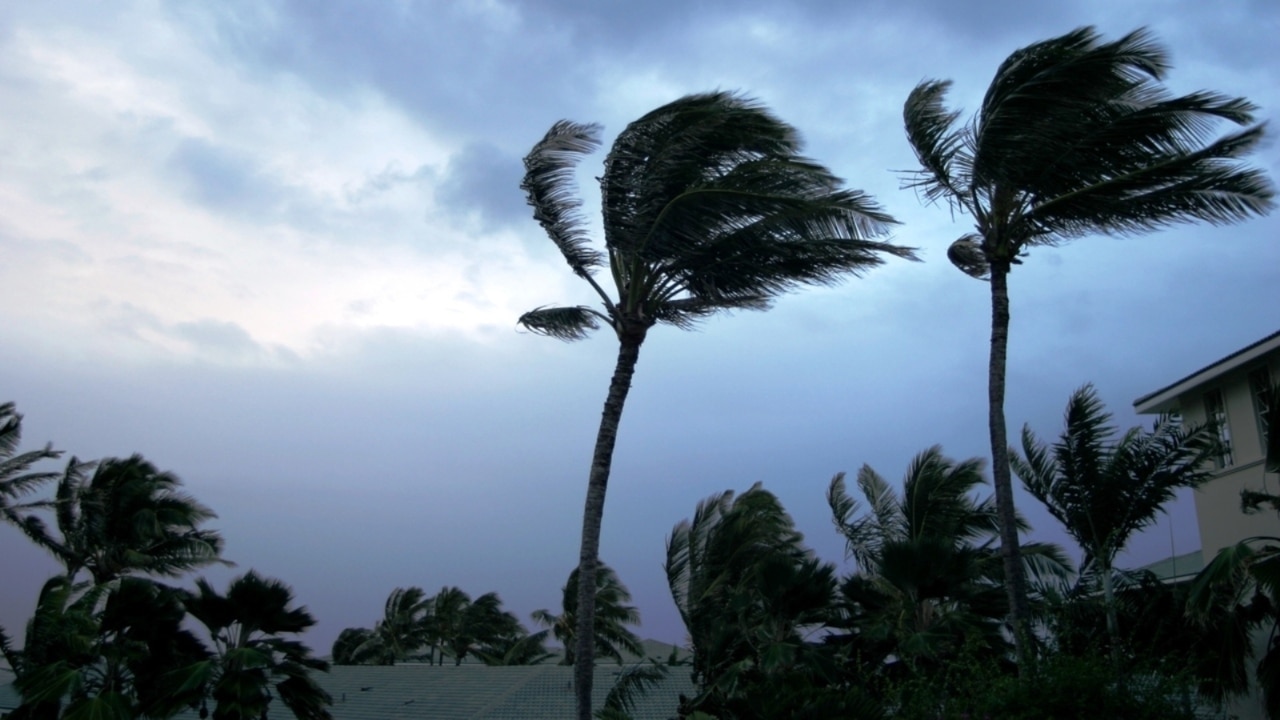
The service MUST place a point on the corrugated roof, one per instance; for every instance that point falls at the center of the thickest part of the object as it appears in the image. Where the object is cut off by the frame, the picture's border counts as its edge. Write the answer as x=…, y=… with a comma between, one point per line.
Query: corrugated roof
x=466, y=692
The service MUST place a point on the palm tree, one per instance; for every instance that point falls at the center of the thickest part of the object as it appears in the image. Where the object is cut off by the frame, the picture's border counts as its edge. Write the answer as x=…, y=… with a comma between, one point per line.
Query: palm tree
x=928, y=578
x=129, y=517
x=479, y=627
x=250, y=656
x=1104, y=488
x=405, y=629
x=613, y=615
x=1075, y=136
x=105, y=650
x=707, y=206
x=16, y=478
x=405, y=625
x=749, y=593
x=356, y=646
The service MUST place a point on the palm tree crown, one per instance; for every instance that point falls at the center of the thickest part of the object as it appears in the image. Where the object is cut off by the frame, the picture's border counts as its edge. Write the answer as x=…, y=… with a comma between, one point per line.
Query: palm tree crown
x=128, y=517
x=707, y=206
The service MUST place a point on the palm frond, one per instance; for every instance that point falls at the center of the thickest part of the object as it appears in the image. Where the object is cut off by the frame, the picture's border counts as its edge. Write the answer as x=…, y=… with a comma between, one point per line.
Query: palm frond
x=931, y=130
x=633, y=682
x=562, y=323
x=552, y=192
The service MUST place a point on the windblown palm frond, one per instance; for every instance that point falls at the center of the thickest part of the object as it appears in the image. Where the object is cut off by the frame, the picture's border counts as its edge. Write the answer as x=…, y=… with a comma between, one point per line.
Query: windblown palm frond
x=16, y=477
x=553, y=193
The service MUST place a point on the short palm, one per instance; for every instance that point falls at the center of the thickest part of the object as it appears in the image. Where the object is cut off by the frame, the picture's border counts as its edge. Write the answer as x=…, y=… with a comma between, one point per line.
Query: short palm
x=928, y=579
x=253, y=661
x=613, y=615
x=1075, y=136
x=1104, y=487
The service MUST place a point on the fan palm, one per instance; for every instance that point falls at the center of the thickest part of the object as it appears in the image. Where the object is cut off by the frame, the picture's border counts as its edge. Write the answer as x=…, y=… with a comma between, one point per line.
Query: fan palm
x=1075, y=136
x=928, y=577
x=1104, y=488
x=613, y=615
x=250, y=656
x=128, y=517
x=707, y=206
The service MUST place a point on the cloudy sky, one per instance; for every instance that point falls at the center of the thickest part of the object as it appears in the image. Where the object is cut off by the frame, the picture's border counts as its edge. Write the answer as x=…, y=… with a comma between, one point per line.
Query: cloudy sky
x=279, y=248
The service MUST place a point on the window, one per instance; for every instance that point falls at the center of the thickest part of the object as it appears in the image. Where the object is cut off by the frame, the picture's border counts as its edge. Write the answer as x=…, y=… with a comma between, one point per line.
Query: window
x=1215, y=412
x=1259, y=388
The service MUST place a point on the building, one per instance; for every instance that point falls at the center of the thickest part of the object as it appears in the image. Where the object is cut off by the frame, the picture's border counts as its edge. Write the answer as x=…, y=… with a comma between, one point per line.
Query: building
x=1229, y=392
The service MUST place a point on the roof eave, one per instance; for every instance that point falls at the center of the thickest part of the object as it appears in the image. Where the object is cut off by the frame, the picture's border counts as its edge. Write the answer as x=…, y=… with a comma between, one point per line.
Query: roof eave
x=1166, y=398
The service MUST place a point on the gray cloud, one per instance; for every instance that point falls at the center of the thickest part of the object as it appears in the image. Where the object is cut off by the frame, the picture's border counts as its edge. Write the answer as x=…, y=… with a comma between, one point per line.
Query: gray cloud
x=482, y=179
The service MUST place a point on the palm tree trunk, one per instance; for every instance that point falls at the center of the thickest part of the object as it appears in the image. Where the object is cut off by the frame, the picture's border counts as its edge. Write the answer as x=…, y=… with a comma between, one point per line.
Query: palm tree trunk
x=1001, y=476
x=593, y=513
x=1113, y=625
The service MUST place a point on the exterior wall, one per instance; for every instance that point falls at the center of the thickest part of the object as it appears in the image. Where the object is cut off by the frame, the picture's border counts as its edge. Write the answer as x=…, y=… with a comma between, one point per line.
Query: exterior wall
x=1218, y=513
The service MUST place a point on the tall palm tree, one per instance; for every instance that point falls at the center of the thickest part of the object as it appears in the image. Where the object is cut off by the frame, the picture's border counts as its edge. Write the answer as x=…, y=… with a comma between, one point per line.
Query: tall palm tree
x=707, y=206
x=251, y=658
x=1075, y=136
x=16, y=478
x=1104, y=488
x=928, y=577
x=613, y=615
x=127, y=518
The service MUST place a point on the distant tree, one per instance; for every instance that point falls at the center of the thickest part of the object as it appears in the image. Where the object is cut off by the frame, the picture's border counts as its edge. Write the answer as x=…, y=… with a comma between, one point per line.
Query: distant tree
x=1104, y=487
x=524, y=649
x=613, y=615
x=477, y=627
x=252, y=663
x=402, y=633
x=352, y=646
x=707, y=206
x=1075, y=136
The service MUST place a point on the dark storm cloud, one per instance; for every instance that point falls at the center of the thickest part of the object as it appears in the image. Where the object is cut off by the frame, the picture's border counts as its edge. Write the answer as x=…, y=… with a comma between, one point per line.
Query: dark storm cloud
x=484, y=180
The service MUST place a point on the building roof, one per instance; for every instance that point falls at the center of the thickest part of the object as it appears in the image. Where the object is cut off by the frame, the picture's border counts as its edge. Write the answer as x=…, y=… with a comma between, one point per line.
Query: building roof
x=1175, y=569
x=1166, y=398
x=416, y=691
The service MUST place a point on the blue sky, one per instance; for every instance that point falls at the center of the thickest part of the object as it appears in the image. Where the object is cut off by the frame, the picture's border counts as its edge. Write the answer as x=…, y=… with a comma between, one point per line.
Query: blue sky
x=279, y=248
